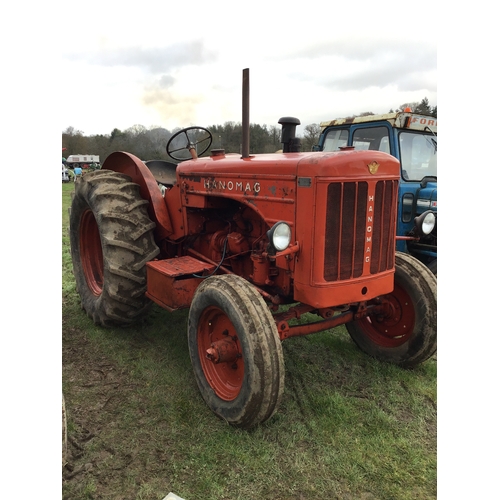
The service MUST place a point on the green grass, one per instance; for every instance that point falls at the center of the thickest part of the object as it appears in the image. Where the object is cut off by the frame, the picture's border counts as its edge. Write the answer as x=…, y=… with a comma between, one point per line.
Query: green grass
x=349, y=427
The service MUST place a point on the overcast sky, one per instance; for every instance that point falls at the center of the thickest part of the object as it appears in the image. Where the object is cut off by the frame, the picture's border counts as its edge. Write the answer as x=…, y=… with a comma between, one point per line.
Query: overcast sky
x=159, y=63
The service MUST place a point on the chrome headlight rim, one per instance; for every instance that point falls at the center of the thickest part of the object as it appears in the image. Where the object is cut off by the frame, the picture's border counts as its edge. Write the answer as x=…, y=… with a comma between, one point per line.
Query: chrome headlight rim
x=279, y=236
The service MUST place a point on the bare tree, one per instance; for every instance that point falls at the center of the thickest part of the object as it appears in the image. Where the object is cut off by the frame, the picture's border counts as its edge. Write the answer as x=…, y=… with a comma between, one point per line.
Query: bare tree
x=311, y=136
x=74, y=141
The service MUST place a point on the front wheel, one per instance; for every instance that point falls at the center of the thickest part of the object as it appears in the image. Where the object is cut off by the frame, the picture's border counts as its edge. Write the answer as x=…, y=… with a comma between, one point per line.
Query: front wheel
x=406, y=333
x=433, y=266
x=235, y=351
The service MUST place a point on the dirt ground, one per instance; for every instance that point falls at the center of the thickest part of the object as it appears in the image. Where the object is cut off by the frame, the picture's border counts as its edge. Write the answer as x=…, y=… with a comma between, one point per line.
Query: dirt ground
x=91, y=456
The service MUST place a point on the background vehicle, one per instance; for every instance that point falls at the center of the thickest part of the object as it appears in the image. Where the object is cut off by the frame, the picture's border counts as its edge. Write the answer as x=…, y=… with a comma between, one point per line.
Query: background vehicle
x=65, y=175
x=83, y=161
x=412, y=139
x=249, y=244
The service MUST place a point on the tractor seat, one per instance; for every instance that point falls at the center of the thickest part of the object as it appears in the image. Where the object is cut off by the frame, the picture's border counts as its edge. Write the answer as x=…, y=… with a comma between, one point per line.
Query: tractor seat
x=163, y=171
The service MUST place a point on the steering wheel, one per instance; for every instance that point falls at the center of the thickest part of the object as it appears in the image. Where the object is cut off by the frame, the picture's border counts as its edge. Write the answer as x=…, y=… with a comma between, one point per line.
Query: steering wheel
x=189, y=143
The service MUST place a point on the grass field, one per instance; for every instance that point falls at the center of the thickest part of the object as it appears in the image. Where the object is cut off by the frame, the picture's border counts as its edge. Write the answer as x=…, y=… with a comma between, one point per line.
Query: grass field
x=349, y=427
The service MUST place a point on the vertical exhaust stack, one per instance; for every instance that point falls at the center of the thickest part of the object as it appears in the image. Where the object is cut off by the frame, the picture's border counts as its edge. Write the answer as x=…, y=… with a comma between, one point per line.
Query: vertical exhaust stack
x=245, y=125
x=291, y=144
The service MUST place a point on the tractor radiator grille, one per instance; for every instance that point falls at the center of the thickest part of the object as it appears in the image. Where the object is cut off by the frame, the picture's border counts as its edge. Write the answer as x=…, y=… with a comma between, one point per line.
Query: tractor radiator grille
x=349, y=227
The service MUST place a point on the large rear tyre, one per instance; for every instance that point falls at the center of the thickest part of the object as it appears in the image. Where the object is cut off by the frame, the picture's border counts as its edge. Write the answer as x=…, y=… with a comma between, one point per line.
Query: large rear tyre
x=235, y=351
x=406, y=334
x=111, y=237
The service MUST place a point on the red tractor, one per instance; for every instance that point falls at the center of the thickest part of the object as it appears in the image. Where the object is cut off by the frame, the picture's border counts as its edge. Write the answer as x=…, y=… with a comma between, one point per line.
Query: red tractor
x=249, y=243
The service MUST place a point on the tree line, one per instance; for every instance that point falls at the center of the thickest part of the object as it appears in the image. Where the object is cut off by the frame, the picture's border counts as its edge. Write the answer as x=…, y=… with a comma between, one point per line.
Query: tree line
x=150, y=144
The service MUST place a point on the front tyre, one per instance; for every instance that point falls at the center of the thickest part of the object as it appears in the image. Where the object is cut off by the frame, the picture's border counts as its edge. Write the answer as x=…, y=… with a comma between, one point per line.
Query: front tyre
x=111, y=237
x=235, y=351
x=406, y=334
x=433, y=266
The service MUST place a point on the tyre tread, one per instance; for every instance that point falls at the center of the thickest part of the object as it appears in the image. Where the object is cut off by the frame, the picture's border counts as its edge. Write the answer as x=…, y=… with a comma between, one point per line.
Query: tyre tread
x=266, y=383
x=127, y=241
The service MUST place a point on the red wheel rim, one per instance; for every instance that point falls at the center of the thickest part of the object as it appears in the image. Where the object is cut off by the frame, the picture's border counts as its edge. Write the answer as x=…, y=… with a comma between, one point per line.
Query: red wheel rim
x=91, y=252
x=225, y=378
x=395, y=327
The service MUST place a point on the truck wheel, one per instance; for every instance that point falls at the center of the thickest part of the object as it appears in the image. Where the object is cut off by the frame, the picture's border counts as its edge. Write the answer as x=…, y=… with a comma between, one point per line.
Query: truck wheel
x=111, y=237
x=406, y=334
x=235, y=351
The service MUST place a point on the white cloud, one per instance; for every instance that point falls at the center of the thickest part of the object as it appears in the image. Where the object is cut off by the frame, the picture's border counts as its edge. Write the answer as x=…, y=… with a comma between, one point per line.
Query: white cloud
x=152, y=59
x=177, y=65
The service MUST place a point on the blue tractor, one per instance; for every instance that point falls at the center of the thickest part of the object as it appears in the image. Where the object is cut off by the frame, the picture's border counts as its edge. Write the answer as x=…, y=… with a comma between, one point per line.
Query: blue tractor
x=412, y=139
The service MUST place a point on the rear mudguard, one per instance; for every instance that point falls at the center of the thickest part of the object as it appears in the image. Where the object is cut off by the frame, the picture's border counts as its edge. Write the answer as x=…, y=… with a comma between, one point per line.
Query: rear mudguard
x=132, y=166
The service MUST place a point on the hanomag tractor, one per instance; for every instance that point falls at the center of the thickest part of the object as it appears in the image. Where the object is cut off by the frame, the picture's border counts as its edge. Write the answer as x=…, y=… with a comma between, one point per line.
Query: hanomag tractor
x=249, y=243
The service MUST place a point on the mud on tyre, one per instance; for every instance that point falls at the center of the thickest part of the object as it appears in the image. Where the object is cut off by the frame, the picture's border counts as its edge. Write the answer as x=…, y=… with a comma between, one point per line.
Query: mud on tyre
x=229, y=317
x=111, y=237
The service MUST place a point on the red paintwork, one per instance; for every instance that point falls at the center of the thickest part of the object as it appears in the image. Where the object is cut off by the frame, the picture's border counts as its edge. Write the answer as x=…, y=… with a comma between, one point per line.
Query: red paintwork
x=395, y=323
x=215, y=330
x=408, y=238
x=132, y=166
x=91, y=253
x=223, y=351
x=164, y=286
x=221, y=207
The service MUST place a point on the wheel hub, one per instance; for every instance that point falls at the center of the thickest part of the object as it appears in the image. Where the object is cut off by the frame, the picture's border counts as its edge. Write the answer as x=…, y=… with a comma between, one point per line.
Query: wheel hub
x=396, y=323
x=223, y=351
x=220, y=353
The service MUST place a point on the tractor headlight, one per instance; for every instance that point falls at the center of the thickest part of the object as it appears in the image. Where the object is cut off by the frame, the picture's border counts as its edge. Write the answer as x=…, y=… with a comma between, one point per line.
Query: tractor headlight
x=425, y=222
x=279, y=236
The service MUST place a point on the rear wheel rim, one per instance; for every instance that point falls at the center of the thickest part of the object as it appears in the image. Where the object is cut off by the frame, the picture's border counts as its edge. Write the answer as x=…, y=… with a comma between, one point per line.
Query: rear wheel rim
x=394, y=328
x=91, y=253
x=225, y=378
